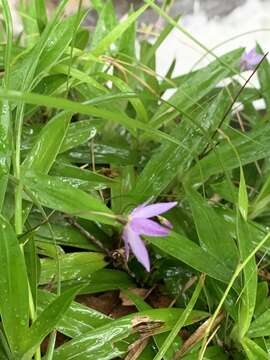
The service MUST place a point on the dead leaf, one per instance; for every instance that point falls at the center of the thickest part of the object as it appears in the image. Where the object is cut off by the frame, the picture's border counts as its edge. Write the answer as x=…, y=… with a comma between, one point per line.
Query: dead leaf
x=136, y=348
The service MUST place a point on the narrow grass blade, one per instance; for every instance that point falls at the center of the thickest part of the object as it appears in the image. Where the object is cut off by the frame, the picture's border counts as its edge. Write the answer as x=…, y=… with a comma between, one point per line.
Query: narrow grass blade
x=13, y=287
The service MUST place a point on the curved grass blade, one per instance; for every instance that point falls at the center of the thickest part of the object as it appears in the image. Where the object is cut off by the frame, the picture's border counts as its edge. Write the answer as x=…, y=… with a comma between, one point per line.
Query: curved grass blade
x=13, y=287
x=190, y=253
x=103, y=341
x=54, y=193
x=46, y=322
x=73, y=266
x=47, y=144
x=5, y=113
x=76, y=107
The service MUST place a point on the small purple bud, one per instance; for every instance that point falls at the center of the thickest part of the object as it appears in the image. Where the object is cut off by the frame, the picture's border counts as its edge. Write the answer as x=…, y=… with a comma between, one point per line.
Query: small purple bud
x=249, y=60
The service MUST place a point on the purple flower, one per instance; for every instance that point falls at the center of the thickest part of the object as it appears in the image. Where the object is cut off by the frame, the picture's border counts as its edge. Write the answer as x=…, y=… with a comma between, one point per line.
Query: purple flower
x=140, y=224
x=250, y=59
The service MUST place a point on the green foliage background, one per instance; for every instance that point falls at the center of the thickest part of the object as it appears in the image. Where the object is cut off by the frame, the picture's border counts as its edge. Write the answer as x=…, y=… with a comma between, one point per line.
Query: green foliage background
x=85, y=136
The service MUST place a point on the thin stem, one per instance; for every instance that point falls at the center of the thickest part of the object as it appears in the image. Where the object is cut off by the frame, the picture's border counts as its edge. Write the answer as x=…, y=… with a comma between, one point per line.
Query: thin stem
x=181, y=321
x=237, y=272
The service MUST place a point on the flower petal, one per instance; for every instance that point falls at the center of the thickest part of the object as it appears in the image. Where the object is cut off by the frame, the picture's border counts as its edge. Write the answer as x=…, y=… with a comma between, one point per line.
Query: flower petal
x=149, y=211
x=148, y=227
x=250, y=59
x=138, y=247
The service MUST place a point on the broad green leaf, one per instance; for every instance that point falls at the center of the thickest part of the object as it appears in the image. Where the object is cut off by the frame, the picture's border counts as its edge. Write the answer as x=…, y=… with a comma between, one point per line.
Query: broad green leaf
x=102, y=340
x=260, y=327
x=73, y=266
x=104, y=153
x=63, y=235
x=57, y=42
x=249, y=279
x=13, y=287
x=69, y=171
x=46, y=322
x=159, y=338
x=190, y=253
x=47, y=144
x=229, y=193
x=212, y=231
x=78, y=133
x=103, y=280
x=254, y=351
x=54, y=193
x=77, y=320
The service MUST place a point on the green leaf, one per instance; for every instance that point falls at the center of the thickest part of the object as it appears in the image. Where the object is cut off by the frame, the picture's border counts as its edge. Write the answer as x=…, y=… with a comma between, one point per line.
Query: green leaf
x=63, y=234
x=5, y=148
x=47, y=144
x=41, y=15
x=116, y=32
x=46, y=322
x=260, y=327
x=250, y=147
x=106, y=23
x=243, y=196
x=24, y=70
x=100, y=342
x=78, y=75
x=263, y=73
x=213, y=231
x=103, y=280
x=13, y=287
x=78, y=133
x=196, y=86
x=171, y=160
x=77, y=320
x=64, y=104
x=95, y=179
x=54, y=193
x=190, y=253
x=5, y=116
x=73, y=266
x=33, y=266
x=254, y=351
x=180, y=322
x=249, y=279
